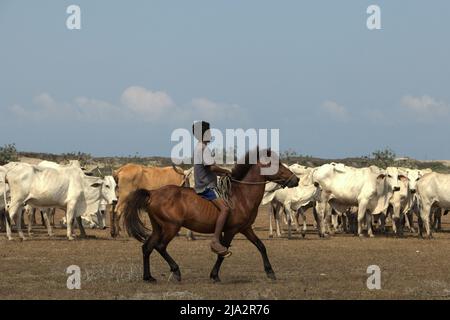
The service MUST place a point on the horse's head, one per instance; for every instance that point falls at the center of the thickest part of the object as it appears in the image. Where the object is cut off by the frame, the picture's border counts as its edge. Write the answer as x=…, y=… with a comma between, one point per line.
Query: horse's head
x=269, y=168
x=273, y=170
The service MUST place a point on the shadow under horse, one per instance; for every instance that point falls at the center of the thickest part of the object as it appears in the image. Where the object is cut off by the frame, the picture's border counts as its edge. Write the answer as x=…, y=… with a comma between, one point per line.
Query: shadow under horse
x=172, y=207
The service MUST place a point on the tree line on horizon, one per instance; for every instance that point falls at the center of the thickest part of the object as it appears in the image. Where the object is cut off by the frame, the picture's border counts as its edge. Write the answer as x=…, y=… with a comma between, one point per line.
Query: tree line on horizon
x=382, y=158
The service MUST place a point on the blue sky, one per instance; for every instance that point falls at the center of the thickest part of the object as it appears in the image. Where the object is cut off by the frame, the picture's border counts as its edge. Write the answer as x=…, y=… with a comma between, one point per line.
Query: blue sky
x=139, y=69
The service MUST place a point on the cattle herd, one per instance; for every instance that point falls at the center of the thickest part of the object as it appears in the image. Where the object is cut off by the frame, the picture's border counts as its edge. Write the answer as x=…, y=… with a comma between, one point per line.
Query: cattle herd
x=342, y=198
x=350, y=199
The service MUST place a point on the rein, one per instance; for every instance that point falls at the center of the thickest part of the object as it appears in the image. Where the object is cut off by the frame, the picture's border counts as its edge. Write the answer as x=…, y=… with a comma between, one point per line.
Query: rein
x=280, y=181
x=224, y=186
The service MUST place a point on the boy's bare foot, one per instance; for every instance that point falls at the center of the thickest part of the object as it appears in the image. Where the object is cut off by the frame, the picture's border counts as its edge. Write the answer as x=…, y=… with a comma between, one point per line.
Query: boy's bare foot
x=219, y=249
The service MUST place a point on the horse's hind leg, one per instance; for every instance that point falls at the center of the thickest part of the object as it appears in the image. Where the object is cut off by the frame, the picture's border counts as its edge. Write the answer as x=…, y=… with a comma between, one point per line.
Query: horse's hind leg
x=167, y=234
x=147, y=249
x=250, y=235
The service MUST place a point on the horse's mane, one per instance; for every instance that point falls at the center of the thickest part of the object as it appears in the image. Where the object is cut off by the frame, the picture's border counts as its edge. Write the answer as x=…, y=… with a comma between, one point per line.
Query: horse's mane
x=242, y=167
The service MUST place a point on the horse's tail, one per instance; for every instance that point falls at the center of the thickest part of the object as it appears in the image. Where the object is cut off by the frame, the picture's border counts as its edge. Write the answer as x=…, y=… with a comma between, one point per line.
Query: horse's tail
x=136, y=201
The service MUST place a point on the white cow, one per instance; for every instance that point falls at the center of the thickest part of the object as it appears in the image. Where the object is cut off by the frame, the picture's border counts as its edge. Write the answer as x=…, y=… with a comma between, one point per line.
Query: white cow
x=65, y=187
x=368, y=188
x=95, y=215
x=414, y=176
x=291, y=201
x=46, y=213
x=4, y=189
x=101, y=216
x=4, y=194
x=433, y=190
x=299, y=170
x=400, y=201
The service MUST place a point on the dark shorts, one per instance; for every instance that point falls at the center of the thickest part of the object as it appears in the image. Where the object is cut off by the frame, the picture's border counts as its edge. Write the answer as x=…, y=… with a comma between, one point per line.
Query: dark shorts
x=209, y=194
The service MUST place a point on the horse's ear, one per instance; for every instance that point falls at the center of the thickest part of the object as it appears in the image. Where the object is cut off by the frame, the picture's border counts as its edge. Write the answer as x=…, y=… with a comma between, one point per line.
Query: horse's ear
x=265, y=159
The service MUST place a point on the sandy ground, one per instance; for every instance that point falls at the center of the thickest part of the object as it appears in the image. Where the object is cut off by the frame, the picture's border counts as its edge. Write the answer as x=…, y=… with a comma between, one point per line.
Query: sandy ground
x=310, y=268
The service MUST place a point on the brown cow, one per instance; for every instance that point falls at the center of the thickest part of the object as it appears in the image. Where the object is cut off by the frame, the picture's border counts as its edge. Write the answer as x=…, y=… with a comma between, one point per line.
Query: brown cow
x=131, y=177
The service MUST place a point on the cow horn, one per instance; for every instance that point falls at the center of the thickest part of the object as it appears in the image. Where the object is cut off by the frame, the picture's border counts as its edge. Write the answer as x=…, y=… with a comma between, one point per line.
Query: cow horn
x=177, y=170
x=100, y=173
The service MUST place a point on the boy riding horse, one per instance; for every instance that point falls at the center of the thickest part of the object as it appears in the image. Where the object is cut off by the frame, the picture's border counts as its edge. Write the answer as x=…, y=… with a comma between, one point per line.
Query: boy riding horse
x=205, y=175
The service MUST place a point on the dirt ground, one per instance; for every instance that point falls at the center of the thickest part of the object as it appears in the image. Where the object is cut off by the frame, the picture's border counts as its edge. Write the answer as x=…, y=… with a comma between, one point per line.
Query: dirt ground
x=310, y=268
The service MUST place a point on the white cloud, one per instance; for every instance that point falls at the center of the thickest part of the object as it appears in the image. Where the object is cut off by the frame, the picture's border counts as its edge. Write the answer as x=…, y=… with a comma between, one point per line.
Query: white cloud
x=335, y=110
x=150, y=104
x=45, y=107
x=136, y=103
x=19, y=111
x=207, y=109
x=97, y=109
x=425, y=105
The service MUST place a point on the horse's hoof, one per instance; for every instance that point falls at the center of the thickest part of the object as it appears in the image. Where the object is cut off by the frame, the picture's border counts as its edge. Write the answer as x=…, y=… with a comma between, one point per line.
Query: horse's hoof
x=270, y=235
x=303, y=234
x=176, y=275
x=10, y=238
x=215, y=279
x=371, y=236
x=71, y=238
x=149, y=279
x=361, y=236
x=271, y=275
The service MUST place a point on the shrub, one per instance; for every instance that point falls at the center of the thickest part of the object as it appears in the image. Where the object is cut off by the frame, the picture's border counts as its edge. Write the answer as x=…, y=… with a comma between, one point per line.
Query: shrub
x=8, y=153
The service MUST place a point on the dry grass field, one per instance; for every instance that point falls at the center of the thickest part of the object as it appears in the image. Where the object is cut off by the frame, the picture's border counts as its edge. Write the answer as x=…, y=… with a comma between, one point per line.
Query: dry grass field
x=310, y=268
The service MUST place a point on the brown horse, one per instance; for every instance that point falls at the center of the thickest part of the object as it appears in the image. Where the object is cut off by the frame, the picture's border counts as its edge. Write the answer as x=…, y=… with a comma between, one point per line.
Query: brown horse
x=171, y=207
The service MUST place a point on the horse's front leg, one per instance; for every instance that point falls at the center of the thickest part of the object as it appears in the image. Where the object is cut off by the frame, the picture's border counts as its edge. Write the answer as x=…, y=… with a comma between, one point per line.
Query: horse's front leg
x=250, y=235
x=226, y=241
